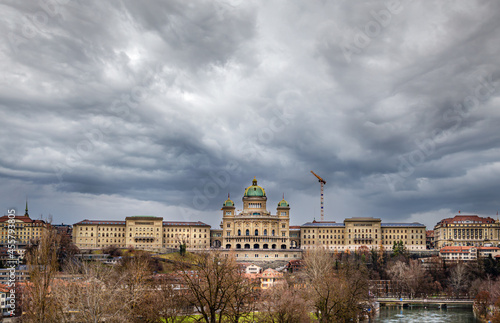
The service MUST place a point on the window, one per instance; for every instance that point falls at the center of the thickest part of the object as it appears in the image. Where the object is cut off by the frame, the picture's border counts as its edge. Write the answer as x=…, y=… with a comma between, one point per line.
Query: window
x=265, y=232
x=239, y=232
x=256, y=232
x=247, y=233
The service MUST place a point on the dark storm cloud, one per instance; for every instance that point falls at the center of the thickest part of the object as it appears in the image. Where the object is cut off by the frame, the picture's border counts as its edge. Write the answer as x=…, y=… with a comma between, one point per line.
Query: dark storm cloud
x=112, y=109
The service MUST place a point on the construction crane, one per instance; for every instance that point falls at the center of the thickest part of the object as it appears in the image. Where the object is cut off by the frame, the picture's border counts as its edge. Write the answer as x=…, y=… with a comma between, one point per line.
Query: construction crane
x=322, y=182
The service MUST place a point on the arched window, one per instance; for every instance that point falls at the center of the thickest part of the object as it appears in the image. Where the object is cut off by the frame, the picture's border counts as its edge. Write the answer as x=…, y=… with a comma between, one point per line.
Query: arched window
x=247, y=232
x=256, y=232
x=265, y=232
x=272, y=233
x=239, y=232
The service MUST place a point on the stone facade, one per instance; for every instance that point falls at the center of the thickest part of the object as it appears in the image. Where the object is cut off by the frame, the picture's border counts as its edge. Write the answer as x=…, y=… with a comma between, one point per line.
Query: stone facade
x=255, y=227
x=251, y=234
x=467, y=230
x=141, y=232
x=362, y=232
x=23, y=229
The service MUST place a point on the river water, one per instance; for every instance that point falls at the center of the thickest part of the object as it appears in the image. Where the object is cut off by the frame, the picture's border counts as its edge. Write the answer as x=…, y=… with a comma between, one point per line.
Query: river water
x=425, y=315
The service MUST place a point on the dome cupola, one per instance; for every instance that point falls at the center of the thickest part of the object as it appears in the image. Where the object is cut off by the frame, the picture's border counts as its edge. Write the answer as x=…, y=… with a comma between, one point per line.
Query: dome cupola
x=254, y=190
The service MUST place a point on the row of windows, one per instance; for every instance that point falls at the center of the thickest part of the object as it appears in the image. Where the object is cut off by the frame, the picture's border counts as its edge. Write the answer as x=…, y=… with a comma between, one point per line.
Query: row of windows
x=103, y=229
x=81, y=240
x=362, y=231
x=140, y=229
x=282, y=225
x=341, y=242
x=247, y=232
x=401, y=237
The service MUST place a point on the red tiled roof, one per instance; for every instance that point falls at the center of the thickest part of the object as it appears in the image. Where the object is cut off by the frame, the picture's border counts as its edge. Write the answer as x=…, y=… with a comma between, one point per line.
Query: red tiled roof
x=461, y=218
x=429, y=233
x=25, y=219
x=17, y=217
x=294, y=227
x=455, y=249
x=466, y=249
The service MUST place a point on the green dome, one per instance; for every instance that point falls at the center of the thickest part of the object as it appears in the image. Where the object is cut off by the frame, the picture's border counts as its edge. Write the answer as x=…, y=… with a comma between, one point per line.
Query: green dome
x=228, y=203
x=283, y=203
x=254, y=190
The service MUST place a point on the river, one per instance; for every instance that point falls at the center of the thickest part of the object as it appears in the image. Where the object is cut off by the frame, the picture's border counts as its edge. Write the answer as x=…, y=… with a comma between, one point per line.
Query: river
x=418, y=314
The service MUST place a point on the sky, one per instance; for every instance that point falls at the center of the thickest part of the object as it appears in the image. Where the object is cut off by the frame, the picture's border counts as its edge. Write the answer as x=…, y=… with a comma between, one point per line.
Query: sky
x=111, y=109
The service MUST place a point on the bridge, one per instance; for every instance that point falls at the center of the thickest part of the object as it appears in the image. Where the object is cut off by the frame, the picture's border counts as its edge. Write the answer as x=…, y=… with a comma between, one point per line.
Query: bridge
x=441, y=302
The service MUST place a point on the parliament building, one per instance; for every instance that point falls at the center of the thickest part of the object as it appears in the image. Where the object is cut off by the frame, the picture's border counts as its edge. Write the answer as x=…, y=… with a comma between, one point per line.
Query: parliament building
x=255, y=227
x=253, y=232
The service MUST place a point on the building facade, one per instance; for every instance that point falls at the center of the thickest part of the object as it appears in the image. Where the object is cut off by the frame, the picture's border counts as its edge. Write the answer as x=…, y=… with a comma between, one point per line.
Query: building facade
x=141, y=232
x=467, y=230
x=251, y=233
x=255, y=227
x=22, y=228
x=359, y=232
x=468, y=253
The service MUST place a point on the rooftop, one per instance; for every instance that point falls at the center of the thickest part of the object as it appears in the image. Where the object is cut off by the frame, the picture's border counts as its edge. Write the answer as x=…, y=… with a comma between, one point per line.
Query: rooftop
x=322, y=224
x=413, y=224
x=111, y=222
x=100, y=222
x=23, y=218
x=472, y=218
x=199, y=223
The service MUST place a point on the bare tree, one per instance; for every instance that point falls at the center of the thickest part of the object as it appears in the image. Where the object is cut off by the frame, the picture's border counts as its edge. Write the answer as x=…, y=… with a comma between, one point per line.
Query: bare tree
x=97, y=295
x=213, y=286
x=335, y=295
x=134, y=273
x=397, y=271
x=284, y=304
x=242, y=296
x=416, y=278
x=459, y=279
x=41, y=259
x=162, y=302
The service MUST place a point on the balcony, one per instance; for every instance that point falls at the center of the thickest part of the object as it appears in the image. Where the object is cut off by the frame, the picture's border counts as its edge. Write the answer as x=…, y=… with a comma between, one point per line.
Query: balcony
x=363, y=240
x=144, y=239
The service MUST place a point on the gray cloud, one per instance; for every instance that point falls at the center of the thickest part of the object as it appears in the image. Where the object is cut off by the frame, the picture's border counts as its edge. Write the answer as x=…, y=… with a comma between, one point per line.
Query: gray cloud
x=114, y=109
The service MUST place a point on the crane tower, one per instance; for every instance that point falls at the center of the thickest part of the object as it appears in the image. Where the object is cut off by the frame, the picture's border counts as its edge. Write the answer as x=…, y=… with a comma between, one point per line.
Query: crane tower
x=322, y=182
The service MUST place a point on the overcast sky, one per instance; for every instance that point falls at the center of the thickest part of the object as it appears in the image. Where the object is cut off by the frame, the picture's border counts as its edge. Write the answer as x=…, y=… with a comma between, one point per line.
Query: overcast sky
x=116, y=108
